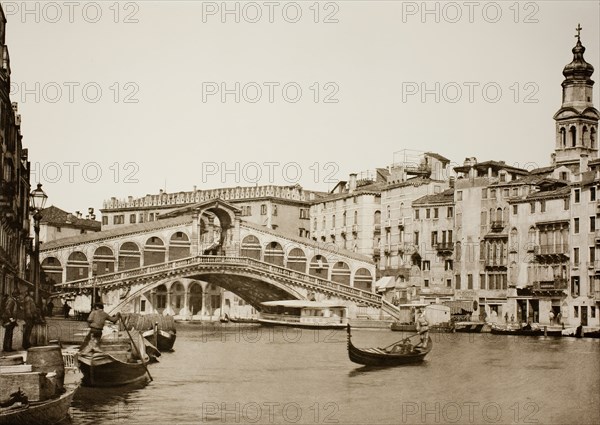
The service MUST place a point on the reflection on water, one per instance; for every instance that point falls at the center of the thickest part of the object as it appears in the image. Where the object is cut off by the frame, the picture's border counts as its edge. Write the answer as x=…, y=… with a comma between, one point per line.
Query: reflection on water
x=249, y=374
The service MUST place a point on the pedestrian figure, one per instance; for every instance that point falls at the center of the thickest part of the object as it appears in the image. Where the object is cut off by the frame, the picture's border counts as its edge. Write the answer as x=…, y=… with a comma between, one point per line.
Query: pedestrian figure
x=422, y=329
x=558, y=318
x=49, y=308
x=30, y=314
x=551, y=317
x=506, y=317
x=96, y=320
x=66, y=308
x=9, y=320
x=512, y=318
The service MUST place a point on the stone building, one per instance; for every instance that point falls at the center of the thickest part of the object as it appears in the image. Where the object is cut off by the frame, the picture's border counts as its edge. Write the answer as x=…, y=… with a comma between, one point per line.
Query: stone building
x=15, y=244
x=371, y=214
x=285, y=208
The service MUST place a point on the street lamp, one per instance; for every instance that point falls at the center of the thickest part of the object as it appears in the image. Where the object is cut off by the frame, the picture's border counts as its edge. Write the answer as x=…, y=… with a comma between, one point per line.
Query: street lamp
x=37, y=200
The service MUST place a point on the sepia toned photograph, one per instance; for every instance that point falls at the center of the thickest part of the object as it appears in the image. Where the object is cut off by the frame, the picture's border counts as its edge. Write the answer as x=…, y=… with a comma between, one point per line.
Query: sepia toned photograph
x=352, y=212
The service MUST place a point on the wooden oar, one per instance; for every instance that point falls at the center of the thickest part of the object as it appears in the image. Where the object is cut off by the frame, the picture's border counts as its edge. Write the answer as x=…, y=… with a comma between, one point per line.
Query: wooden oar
x=136, y=349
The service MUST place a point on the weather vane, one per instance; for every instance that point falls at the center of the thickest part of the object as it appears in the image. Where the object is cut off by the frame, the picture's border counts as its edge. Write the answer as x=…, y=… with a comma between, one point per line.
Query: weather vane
x=578, y=29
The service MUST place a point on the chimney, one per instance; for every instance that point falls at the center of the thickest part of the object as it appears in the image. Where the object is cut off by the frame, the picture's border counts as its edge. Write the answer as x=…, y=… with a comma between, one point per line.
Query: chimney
x=195, y=189
x=583, y=162
x=77, y=214
x=352, y=183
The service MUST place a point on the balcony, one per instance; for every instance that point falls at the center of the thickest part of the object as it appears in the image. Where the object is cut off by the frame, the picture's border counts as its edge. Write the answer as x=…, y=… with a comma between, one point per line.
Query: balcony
x=401, y=222
x=551, y=286
x=355, y=228
x=445, y=247
x=377, y=228
x=496, y=263
x=388, y=223
x=498, y=225
x=552, y=253
x=597, y=236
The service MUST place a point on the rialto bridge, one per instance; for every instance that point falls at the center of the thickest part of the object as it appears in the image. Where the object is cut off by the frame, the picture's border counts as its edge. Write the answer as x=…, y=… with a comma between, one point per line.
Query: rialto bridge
x=174, y=265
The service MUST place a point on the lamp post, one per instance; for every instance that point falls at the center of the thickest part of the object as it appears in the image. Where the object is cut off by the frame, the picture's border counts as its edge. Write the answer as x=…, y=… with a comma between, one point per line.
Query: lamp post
x=37, y=199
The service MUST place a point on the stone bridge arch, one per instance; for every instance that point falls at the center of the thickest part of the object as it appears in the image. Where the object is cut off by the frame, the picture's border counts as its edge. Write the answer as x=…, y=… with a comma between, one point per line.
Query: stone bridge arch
x=245, y=284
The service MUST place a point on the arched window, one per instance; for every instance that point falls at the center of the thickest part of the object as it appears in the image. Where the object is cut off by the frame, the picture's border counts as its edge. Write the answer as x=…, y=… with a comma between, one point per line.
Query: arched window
x=355, y=217
x=389, y=212
x=333, y=221
x=584, y=136
x=344, y=219
x=593, y=138
x=573, y=133
x=377, y=217
x=531, y=236
x=563, y=137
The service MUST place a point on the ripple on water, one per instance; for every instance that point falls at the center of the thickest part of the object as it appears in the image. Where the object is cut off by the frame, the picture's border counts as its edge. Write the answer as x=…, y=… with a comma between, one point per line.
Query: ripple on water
x=548, y=380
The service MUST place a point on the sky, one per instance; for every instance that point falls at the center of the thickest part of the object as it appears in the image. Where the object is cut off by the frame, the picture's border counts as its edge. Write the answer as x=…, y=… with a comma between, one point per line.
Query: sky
x=127, y=98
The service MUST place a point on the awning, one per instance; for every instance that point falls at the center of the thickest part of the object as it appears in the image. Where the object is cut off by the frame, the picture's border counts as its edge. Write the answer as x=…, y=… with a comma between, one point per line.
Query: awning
x=459, y=307
x=384, y=283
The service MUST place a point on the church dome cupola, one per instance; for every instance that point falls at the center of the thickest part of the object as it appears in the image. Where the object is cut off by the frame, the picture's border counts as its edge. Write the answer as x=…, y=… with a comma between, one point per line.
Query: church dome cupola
x=578, y=69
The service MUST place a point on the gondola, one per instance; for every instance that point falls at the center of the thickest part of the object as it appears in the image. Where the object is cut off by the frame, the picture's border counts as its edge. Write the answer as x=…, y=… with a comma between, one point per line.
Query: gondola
x=524, y=331
x=164, y=339
x=115, y=362
x=386, y=356
x=35, y=395
x=44, y=412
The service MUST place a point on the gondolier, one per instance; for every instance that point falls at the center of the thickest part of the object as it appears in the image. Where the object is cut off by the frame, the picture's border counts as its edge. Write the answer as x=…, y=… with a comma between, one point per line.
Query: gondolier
x=96, y=320
x=422, y=328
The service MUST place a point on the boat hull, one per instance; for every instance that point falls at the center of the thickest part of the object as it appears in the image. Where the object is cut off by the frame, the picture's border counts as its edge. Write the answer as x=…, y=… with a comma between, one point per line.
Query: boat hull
x=103, y=370
x=379, y=358
x=242, y=320
x=525, y=332
x=469, y=328
x=48, y=412
x=306, y=325
x=404, y=327
x=165, y=340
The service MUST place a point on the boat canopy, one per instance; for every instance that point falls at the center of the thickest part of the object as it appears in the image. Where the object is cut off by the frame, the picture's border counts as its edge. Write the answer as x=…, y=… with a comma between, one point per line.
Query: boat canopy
x=301, y=304
x=386, y=282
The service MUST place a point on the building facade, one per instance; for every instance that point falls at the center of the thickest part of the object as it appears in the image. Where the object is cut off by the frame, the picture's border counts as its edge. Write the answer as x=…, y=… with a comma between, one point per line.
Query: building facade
x=15, y=244
x=285, y=208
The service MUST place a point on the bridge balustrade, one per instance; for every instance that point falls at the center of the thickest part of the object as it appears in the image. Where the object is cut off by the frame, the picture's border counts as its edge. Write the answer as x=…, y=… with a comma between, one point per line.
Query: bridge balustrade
x=107, y=279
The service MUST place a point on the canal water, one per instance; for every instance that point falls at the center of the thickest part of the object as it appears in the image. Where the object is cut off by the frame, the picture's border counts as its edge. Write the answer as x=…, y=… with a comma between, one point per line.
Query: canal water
x=245, y=374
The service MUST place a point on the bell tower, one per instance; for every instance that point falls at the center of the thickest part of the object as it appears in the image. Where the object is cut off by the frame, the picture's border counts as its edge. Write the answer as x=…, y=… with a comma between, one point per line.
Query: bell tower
x=577, y=119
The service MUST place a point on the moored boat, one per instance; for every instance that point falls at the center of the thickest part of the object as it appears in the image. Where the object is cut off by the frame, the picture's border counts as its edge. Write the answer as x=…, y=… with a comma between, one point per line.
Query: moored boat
x=468, y=327
x=162, y=339
x=46, y=412
x=524, y=331
x=116, y=361
x=34, y=393
x=243, y=320
x=304, y=314
x=399, y=353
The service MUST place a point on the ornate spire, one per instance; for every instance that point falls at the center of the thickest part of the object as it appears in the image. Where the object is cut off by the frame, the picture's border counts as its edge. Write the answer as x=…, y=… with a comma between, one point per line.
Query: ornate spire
x=578, y=68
